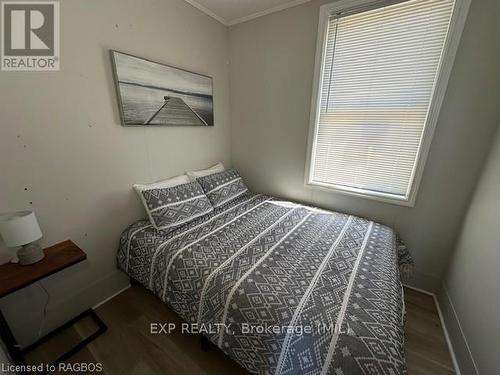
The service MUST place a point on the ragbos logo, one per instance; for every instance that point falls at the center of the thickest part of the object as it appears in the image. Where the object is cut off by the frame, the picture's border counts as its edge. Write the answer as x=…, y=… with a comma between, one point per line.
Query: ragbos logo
x=30, y=35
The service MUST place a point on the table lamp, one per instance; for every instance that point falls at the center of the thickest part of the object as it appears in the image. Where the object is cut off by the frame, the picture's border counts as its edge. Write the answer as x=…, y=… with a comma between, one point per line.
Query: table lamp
x=21, y=229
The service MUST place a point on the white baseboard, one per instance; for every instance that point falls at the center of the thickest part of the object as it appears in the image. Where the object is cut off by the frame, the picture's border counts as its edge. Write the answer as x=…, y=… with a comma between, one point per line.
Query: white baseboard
x=458, y=366
x=418, y=289
x=456, y=334
x=424, y=282
x=447, y=336
x=111, y=297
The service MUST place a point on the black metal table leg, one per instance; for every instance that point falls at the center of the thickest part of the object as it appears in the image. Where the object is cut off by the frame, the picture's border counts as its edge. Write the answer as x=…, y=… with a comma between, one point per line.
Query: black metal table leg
x=10, y=341
x=18, y=354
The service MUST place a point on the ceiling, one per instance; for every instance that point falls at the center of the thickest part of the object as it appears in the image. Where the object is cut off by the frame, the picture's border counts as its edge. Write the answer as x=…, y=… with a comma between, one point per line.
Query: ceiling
x=231, y=12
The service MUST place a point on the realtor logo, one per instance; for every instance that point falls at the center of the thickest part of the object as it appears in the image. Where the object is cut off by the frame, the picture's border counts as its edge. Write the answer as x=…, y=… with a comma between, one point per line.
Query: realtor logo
x=30, y=35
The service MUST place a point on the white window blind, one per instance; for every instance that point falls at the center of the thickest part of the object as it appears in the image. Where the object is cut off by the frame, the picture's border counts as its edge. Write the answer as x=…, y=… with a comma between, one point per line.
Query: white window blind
x=379, y=71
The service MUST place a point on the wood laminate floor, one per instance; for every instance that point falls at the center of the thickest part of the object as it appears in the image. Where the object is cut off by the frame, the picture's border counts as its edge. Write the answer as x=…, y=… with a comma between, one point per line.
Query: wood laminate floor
x=129, y=348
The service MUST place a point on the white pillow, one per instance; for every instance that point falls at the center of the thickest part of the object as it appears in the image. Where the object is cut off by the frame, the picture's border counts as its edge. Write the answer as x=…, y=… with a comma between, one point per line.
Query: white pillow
x=169, y=182
x=193, y=175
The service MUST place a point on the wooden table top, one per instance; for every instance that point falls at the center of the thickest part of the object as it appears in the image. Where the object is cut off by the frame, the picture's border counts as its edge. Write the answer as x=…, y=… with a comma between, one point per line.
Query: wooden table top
x=58, y=257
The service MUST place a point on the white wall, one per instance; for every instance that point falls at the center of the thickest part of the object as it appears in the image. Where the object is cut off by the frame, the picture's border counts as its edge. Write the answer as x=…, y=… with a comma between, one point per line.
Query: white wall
x=271, y=76
x=61, y=139
x=473, y=278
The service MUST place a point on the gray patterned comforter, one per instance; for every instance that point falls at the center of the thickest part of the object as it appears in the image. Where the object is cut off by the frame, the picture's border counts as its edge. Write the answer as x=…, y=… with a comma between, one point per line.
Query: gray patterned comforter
x=300, y=290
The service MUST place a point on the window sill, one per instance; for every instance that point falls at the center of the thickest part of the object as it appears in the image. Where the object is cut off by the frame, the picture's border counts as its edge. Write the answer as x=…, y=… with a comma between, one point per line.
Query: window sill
x=380, y=197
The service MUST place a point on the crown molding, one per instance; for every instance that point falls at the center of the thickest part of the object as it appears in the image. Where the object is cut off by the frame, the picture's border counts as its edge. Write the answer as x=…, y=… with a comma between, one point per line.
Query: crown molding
x=252, y=16
x=207, y=11
x=262, y=13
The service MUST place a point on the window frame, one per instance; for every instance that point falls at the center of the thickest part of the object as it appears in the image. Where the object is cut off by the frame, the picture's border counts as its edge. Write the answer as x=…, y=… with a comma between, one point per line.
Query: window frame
x=457, y=23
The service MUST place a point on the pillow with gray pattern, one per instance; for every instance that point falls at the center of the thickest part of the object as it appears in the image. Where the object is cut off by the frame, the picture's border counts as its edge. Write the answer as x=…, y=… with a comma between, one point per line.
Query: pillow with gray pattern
x=222, y=187
x=172, y=206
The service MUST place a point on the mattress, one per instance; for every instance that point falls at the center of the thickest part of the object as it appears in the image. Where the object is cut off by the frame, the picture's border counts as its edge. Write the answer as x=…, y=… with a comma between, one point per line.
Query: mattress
x=291, y=289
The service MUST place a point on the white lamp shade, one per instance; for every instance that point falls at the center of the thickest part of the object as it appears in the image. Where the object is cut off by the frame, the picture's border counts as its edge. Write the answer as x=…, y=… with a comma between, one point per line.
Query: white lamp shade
x=19, y=228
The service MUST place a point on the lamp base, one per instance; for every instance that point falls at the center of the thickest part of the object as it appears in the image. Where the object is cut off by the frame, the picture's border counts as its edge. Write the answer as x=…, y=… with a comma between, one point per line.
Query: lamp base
x=30, y=253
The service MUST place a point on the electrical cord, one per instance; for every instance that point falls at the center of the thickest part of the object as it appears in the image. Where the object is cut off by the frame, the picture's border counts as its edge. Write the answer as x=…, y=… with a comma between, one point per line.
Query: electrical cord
x=42, y=324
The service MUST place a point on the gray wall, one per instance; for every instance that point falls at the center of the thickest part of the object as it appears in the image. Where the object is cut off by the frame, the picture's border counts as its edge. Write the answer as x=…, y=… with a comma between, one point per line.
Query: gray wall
x=271, y=76
x=473, y=279
x=61, y=138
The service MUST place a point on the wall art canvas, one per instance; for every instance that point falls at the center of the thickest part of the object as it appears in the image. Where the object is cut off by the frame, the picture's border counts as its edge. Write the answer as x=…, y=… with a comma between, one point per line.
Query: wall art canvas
x=151, y=94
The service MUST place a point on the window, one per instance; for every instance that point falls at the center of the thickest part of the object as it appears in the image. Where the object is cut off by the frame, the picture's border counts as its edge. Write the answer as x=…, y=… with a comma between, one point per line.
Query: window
x=381, y=73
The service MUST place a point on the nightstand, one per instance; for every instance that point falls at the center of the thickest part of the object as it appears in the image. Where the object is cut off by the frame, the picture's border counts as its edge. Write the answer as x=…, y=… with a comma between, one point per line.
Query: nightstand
x=14, y=277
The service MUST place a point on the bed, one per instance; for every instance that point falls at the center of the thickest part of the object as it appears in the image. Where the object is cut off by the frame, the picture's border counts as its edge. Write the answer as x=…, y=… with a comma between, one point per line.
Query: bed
x=290, y=289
